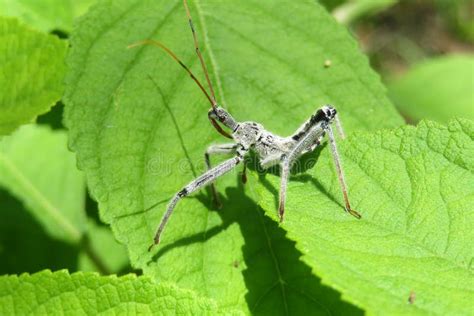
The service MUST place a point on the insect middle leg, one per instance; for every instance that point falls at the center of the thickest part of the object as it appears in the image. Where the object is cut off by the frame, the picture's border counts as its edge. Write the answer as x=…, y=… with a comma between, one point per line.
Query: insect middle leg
x=340, y=174
x=212, y=150
x=201, y=181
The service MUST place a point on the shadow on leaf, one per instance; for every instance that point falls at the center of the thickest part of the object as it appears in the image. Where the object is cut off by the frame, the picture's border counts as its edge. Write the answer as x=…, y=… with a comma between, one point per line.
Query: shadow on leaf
x=275, y=277
x=25, y=246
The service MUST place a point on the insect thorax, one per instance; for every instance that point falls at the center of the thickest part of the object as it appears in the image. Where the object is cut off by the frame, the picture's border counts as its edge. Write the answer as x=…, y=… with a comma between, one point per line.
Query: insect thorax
x=247, y=133
x=252, y=135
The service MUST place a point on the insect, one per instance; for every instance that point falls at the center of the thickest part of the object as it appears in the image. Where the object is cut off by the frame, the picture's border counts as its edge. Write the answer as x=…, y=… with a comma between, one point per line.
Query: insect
x=251, y=136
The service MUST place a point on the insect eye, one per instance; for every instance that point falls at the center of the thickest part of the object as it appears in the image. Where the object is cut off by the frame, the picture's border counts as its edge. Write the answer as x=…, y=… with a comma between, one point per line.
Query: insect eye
x=221, y=115
x=212, y=113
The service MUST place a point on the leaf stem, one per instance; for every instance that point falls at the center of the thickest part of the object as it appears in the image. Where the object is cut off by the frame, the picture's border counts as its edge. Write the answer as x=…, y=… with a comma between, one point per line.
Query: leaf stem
x=86, y=246
x=49, y=209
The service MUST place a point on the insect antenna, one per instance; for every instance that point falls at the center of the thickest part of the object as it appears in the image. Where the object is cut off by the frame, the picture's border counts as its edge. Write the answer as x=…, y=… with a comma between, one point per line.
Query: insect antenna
x=206, y=73
x=198, y=52
x=212, y=96
x=173, y=55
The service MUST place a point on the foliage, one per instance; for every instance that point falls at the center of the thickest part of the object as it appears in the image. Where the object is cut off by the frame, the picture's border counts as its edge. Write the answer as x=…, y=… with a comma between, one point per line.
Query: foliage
x=354, y=9
x=24, y=244
x=46, y=15
x=437, y=89
x=138, y=128
x=459, y=15
x=138, y=159
x=39, y=181
x=31, y=74
x=413, y=187
x=331, y=4
x=91, y=294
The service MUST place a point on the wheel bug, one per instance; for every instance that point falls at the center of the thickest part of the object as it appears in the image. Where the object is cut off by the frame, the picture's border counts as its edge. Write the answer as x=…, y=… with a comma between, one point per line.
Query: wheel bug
x=250, y=136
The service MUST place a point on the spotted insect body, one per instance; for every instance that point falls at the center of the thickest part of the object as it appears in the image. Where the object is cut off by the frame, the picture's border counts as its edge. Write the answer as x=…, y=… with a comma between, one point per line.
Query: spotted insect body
x=251, y=136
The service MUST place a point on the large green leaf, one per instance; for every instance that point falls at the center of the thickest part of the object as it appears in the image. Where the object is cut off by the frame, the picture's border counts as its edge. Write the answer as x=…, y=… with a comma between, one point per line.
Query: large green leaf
x=438, y=89
x=31, y=74
x=37, y=168
x=60, y=293
x=458, y=15
x=36, y=250
x=53, y=192
x=414, y=189
x=25, y=246
x=101, y=252
x=46, y=15
x=139, y=127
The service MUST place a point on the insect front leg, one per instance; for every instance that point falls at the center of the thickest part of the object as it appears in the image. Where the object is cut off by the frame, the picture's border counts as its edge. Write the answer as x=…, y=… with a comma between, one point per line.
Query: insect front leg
x=212, y=150
x=198, y=183
x=340, y=173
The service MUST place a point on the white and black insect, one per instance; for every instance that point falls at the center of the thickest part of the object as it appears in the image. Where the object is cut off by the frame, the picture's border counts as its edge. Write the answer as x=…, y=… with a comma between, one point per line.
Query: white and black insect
x=250, y=136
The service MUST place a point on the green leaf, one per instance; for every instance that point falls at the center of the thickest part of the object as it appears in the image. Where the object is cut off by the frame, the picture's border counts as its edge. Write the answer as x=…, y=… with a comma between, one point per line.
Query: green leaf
x=90, y=294
x=352, y=10
x=36, y=167
x=458, y=15
x=331, y=4
x=101, y=252
x=139, y=127
x=46, y=15
x=36, y=250
x=438, y=89
x=414, y=189
x=25, y=246
x=31, y=76
x=54, y=192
